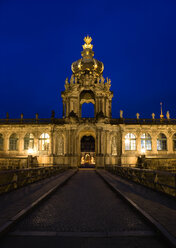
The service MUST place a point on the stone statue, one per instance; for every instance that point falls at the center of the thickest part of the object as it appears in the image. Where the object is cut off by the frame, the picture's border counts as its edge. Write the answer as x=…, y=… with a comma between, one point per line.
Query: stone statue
x=98, y=80
x=102, y=79
x=72, y=80
x=121, y=114
x=153, y=116
x=66, y=84
x=76, y=80
x=60, y=146
x=168, y=115
x=137, y=115
x=114, y=146
x=108, y=83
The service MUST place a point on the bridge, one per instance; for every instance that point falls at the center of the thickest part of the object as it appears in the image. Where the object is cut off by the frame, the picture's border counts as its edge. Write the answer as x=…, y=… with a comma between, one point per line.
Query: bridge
x=87, y=207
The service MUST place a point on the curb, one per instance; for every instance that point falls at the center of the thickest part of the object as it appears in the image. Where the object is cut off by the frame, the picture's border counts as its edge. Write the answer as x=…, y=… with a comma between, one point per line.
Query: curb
x=158, y=227
x=4, y=229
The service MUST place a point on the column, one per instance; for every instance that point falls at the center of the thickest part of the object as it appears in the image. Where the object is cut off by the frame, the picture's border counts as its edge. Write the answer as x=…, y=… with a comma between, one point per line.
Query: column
x=6, y=142
x=108, y=143
x=36, y=148
x=154, y=144
x=169, y=144
x=138, y=143
x=51, y=143
x=105, y=142
x=21, y=144
x=100, y=142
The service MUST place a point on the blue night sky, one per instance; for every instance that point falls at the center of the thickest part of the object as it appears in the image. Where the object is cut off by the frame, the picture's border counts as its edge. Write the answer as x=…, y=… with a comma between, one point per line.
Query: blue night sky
x=136, y=41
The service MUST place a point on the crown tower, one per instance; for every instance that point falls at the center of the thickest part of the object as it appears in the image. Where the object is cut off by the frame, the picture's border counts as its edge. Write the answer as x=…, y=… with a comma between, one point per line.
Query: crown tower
x=86, y=85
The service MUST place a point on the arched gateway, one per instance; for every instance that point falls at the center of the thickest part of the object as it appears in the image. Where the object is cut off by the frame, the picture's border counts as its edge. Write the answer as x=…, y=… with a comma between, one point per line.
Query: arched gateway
x=87, y=151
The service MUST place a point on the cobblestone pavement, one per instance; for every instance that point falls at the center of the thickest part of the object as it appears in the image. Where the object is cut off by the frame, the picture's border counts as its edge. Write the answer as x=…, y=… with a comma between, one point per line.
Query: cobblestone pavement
x=12, y=202
x=84, y=206
x=161, y=207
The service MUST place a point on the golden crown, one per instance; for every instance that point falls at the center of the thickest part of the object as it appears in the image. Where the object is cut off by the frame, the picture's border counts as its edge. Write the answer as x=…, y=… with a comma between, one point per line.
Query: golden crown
x=87, y=44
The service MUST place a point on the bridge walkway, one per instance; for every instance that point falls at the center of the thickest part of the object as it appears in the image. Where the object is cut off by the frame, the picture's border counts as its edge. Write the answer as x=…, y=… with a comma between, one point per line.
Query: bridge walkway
x=15, y=202
x=160, y=206
x=83, y=213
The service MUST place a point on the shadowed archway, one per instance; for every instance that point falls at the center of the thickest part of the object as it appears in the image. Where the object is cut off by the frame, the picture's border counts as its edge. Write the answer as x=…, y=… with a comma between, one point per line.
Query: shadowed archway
x=88, y=151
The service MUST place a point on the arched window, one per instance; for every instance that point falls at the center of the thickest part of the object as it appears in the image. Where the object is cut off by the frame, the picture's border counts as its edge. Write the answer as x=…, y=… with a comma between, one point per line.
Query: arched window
x=1, y=142
x=13, y=142
x=130, y=142
x=44, y=141
x=161, y=142
x=28, y=141
x=146, y=142
x=174, y=142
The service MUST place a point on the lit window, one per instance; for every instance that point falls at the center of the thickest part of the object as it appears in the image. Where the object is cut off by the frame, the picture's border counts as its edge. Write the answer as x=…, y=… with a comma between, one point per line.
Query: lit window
x=130, y=142
x=161, y=142
x=146, y=142
x=1, y=142
x=44, y=142
x=13, y=142
x=174, y=142
x=28, y=141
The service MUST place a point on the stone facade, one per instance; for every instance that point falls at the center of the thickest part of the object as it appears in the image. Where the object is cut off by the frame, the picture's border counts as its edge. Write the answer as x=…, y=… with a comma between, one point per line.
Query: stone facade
x=61, y=141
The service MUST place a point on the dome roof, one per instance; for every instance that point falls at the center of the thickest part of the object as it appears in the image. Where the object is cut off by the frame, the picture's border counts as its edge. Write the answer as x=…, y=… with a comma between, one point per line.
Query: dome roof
x=87, y=62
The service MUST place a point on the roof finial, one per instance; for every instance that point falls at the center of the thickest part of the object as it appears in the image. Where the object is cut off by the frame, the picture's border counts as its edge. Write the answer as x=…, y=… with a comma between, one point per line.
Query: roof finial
x=87, y=44
x=161, y=115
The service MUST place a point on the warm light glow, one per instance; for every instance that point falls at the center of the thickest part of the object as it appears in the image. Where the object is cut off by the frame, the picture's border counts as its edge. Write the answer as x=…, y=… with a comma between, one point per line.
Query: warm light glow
x=143, y=150
x=30, y=151
x=127, y=141
x=79, y=65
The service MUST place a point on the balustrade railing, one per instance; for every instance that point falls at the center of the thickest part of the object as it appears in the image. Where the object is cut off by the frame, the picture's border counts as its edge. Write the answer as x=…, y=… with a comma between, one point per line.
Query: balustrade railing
x=13, y=179
x=33, y=121
x=91, y=120
x=159, y=180
x=142, y=121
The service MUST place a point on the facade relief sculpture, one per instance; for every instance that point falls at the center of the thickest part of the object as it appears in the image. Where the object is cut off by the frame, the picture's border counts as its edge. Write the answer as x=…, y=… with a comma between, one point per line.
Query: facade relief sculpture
x=60, y=150
x=114, y=146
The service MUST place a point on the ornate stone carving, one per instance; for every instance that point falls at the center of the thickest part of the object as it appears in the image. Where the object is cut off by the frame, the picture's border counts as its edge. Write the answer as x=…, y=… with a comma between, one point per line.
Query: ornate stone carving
x=168, y=115
x=114, y=145
x=60, y=149
x=121, y=114
x=137, y=115
x=153, y=116
x=66, y=84
x=72, y=80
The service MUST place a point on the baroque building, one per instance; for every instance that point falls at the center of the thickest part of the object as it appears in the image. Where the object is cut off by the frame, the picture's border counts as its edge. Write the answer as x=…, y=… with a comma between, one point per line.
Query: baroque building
x=73, y=140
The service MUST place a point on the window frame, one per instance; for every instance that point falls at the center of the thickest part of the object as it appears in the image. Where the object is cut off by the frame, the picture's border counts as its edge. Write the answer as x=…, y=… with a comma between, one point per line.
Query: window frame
x=162, y=142
x=147, y=141
x=28, y=140
x=44, y=142
x=131, y=145
x=13, y=142
x=174, y=142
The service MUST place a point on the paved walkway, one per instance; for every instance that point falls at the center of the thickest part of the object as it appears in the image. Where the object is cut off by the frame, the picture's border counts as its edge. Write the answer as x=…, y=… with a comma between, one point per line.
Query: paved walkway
x=161, y=207
x=83, y=213
x=15, y=201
